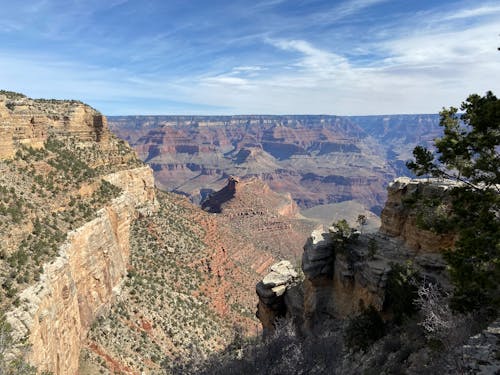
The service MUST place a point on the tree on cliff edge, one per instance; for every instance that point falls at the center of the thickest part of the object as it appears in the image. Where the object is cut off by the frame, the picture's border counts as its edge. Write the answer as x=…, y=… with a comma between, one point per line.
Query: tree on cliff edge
x=469, y=152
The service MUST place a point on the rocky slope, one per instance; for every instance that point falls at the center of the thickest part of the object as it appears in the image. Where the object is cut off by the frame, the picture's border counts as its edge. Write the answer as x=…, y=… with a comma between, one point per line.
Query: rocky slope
x=83, y=280
x=92, y=257
x=189, y=288
x=69, y=191
x=340, y=281
x=318, y=159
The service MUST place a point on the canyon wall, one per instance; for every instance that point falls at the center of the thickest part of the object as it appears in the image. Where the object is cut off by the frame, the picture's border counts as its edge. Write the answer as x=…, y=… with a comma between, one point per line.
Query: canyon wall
x=30, y=121
x=402, y=212
x=342, y=279
x=56, y=313
x=317, y=159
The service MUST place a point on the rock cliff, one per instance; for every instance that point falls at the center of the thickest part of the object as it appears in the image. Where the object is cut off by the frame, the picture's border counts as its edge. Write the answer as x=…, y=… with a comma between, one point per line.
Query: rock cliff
x=30, y=121
x=69, y=191
x=342, y=279
x=402, y=213
x=56, y=313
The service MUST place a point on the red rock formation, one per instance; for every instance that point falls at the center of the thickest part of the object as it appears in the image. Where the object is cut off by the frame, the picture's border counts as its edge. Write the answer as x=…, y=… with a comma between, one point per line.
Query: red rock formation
x=316, y=159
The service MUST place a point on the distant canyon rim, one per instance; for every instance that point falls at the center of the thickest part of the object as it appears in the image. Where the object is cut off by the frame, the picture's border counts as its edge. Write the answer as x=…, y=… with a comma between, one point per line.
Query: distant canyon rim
x=332, y=166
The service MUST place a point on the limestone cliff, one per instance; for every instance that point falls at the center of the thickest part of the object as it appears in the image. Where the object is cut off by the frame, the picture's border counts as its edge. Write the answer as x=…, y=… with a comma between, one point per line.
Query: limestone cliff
x=69, y=191
x=340, y=280
x=56, y=313
x=401, y=212
x=30, y=121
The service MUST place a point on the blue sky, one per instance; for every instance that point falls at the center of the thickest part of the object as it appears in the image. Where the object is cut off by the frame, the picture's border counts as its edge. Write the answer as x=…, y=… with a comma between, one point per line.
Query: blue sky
x=349, y=57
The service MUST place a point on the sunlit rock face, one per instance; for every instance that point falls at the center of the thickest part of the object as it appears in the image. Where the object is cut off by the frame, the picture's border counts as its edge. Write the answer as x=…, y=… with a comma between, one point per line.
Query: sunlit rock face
x=82, y=282
x=342, y=279
x=400, y=214
x=317, y=159
x=30, y=121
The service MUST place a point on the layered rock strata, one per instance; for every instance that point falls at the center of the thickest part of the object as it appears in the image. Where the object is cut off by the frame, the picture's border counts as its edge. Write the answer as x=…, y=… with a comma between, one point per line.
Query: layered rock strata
x=56, y=313
x=318, y=159
x=401, y=213
x=342, y=279
x=30, y=121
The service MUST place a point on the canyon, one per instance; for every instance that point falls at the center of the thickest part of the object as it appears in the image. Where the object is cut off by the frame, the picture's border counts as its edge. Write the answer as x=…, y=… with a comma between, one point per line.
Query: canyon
x=319, y=160
x=95, y=260
x=102, y=272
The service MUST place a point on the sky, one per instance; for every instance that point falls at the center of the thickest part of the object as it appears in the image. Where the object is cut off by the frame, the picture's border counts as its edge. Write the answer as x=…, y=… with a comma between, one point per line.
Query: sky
x=346, y=57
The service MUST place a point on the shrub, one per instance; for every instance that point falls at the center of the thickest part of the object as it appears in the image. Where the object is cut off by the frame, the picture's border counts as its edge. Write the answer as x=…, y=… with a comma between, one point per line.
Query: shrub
x=363, y=330
x=401, y=291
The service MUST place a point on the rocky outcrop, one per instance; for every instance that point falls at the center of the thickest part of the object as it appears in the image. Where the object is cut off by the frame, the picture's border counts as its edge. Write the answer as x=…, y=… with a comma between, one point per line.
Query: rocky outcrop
x=401, y=212
x=481, y=353
x=271, y=291
x=56, y=313
x=30, y=121
x=343, y=277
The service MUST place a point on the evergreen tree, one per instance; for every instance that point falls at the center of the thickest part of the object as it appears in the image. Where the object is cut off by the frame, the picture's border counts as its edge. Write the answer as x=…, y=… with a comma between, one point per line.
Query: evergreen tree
x=469, y=152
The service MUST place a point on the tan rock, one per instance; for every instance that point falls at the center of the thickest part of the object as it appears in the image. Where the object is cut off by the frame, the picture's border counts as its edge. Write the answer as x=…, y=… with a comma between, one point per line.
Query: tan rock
x=80, y=284
x=399, y=219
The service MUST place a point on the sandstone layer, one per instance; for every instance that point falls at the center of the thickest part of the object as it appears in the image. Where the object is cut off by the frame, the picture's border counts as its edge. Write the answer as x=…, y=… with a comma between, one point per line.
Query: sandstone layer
x=56, y=313
x=342, y=279
x=30, y=121
x=401, y=212
x=318, y=159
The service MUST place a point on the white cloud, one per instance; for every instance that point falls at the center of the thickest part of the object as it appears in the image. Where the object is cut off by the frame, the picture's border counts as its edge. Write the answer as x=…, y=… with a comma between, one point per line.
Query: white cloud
x=484, y=10
x=323, y=63
x=422, y=72
x=427, y=64
x=225, y=80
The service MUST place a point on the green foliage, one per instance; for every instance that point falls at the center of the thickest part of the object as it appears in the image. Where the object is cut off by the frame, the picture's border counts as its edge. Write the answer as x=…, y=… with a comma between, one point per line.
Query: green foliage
x=67, y=162
x=401, y=291
x=11, y=366
x=363, y=330
x=12, y=94
x=342, y=234
x=475, y=261
x=468, y=152
x=424, y=162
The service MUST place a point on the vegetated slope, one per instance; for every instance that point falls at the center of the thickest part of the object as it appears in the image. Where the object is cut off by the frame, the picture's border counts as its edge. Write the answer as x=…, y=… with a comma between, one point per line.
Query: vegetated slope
x=183, y=295
x=318, y=159
x=190, y=289
x=55, y=162
x=44, y=193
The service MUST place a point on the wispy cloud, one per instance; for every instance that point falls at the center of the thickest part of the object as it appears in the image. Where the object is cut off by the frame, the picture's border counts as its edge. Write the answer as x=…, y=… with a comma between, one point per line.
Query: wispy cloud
x=351, y=7
x=276, y=57
x=482, y=10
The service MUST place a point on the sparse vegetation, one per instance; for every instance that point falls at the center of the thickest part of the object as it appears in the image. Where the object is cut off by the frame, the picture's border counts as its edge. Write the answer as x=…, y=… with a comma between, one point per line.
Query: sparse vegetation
x=164, y=309
x=363, y=330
